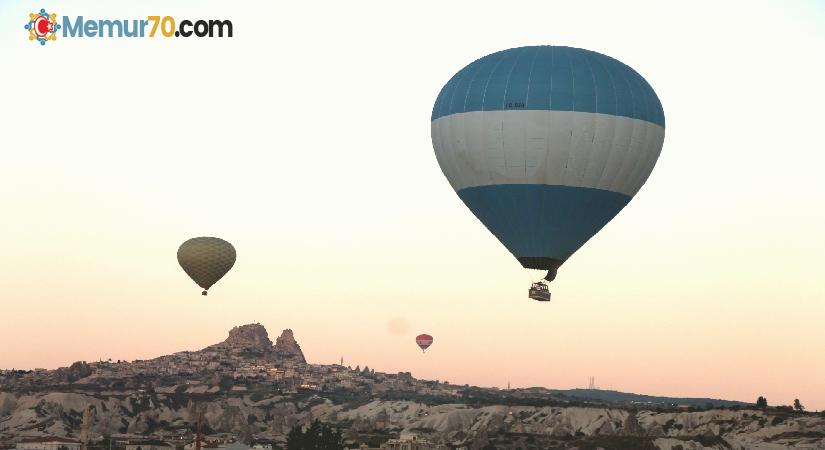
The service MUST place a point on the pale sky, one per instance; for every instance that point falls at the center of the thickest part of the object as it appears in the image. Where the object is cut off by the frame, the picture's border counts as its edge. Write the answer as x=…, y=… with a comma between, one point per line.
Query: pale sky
x=305, y=141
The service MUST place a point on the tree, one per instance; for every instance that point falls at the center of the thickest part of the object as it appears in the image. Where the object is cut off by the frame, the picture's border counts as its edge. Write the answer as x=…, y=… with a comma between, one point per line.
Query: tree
x=761, y=402
x=319, y=436
x=226, y=382
x=798, y=406
x=295, y=439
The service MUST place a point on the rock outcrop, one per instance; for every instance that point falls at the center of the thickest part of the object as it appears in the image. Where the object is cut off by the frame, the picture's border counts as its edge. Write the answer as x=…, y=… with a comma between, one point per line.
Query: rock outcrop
x=252, y=340
x=287, y=348
x=504, y=427
x=76, y=371
x=249, y=339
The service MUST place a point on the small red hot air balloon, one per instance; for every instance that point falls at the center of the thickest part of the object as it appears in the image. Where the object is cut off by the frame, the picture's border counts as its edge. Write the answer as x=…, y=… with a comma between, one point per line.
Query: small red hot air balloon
x=424, y=341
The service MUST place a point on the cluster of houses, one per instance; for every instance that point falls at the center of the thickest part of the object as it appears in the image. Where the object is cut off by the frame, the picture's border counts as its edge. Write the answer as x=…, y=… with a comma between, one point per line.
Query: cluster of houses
x=409, y=441
x=205, y=370
x=60, y=443
x=404, y=442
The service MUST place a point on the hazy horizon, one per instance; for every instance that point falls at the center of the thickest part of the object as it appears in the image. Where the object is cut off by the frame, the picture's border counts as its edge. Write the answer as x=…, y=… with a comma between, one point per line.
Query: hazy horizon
x=304, y=141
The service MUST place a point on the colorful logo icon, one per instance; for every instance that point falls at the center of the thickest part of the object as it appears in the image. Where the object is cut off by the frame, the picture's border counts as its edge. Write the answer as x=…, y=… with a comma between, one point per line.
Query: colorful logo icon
x=42, y=26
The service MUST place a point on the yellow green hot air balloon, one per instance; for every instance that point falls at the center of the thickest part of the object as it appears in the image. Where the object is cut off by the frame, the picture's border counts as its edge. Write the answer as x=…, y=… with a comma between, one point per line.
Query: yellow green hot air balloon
x=206, y=260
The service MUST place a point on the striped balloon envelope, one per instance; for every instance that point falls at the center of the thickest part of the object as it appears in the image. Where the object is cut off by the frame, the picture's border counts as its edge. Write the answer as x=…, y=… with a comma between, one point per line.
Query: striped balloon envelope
x=424, y=341
x=545, y=145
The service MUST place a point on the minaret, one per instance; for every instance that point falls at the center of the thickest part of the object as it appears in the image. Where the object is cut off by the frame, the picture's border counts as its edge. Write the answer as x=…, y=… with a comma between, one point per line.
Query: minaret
x=342, y=360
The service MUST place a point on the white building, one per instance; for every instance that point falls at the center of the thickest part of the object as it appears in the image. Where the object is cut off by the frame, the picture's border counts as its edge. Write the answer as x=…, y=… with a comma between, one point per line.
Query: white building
x=149, y=445
x=48, y=443
x=411, y=442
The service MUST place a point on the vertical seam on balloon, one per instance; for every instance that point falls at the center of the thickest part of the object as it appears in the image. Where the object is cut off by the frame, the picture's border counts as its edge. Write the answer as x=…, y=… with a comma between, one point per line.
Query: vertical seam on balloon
x=547, y=144
x=650, y=163
x=439, y=101
x=455, y=158
x=635, y=114
x=455, y=90
x=535, y=239
x=644, y=118
x=616, y=181
x=586, y=58
x=507, y=81
x=530, y=76
x=550, y=91
x=572, y=84
x=585, y=212
x=636, y=169
x=659, y=143
x=527, y=100
x=631, y=87
x=652, y=114
x=503, y=100
x=615, y=121
x=571, y=147
x=509, y=220
x=641, y=163
x=572, y=119
x=481, y=64
x=457, y=123
x=658, y=111
x=627, y=160
x=645, y=95
x=483, y=99
x=449, y=132
x=632, y=128
x=644, y=159
x=594, y=203
x=487, y=83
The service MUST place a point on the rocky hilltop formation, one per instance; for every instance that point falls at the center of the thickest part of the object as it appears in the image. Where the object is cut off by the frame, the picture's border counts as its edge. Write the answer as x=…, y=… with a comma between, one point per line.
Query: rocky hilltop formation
x=252, y=340
x=76, y=371
x=287, y=348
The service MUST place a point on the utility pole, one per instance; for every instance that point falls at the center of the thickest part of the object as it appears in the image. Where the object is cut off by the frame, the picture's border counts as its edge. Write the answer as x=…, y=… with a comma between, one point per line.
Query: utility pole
x=592, y=383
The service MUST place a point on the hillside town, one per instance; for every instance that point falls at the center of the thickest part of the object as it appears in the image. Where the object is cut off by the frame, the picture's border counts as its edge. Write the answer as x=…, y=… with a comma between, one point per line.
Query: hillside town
x=246, y=363
x=246, y=360
x=250, y=393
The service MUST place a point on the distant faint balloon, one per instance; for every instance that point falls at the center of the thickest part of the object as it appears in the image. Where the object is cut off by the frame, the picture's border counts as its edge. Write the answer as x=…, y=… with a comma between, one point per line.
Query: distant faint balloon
x=424, y=341
x=545, y=145
x=206, y=260
x=398, y=326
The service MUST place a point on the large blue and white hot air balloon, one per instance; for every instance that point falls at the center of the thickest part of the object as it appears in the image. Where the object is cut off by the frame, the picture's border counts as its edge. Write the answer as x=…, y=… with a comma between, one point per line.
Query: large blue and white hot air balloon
x=546, y=145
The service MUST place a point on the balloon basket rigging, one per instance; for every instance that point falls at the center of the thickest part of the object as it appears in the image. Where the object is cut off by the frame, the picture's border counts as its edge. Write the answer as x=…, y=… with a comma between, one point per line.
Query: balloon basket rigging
x=539, y=292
